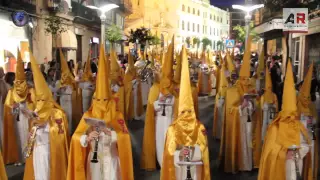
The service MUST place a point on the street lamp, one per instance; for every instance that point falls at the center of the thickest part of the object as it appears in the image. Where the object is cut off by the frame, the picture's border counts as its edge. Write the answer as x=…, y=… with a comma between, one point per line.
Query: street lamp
x=104, y=9
x=248, y=10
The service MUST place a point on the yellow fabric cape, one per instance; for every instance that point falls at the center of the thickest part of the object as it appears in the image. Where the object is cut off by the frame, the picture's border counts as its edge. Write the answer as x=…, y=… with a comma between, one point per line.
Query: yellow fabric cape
x=200, y=88
x=128, y=96
x=273, y=159
x=195, y=93
x=148, y=155
x=257, y=127
x=168, y=171
x=10, y=146
x=78, y=155
x=3, y=173
x=59, y=144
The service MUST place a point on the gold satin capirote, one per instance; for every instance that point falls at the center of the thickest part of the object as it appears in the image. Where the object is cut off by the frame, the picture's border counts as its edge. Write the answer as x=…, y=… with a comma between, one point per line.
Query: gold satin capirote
x=283, y=132
x=186, y=130
x=103, y=107
x=50, y=112
x=18, y=94
x=3, y=173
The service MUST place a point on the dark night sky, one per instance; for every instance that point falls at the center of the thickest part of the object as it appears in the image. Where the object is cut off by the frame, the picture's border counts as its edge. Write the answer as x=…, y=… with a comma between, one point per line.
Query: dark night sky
x=226, y=3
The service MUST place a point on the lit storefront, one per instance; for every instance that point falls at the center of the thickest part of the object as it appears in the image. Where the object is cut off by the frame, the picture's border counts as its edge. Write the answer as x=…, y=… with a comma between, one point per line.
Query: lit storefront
x=12, y=37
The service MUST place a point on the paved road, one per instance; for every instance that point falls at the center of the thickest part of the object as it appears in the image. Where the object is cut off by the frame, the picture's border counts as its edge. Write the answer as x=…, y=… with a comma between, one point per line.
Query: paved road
x=136, y=129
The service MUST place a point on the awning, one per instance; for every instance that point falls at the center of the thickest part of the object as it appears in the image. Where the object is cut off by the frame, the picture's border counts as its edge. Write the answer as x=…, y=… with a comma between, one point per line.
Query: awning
x=274, y=24
x=67, y=40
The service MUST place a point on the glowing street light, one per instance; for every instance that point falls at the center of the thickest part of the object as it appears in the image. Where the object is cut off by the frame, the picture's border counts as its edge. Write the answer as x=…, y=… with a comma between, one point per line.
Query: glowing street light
x=104, y=9
x=248, y=10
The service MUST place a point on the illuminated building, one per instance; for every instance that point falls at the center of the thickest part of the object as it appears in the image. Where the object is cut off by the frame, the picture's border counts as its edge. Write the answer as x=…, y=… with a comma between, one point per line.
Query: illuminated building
x=183, y=18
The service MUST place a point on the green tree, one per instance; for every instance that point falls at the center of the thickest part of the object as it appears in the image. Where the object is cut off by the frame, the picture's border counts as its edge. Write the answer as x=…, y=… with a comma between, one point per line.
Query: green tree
x=220, y=45
x=53, y=26
x=206, y=42
x=113, y=34
x=188, y=41
x=241, y=33
x=155, y=40
x=196, y=42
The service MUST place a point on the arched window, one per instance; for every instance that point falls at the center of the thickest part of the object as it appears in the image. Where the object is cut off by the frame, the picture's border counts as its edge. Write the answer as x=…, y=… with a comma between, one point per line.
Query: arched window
x=183, y=8
x=182, y=25
x=188, y=9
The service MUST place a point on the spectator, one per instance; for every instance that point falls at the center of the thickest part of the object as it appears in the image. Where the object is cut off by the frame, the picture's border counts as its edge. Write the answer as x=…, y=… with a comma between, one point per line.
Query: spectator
x=9, y=78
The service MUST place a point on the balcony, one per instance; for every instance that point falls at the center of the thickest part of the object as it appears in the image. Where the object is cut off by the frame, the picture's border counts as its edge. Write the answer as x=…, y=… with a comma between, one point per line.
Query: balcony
x=85, y=15
x=26, y=5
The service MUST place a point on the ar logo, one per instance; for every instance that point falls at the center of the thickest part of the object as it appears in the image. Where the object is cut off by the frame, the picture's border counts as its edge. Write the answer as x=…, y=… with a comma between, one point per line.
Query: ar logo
x=301, y=18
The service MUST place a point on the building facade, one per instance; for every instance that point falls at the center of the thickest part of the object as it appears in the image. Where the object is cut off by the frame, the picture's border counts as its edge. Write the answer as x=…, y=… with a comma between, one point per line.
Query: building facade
x=186, y=19
x=82, y=29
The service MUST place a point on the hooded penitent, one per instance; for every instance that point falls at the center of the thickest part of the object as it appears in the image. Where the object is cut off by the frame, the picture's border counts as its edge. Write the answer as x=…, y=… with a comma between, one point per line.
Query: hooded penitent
x=304, y=97
x=67, y=78
x=116, y=77
x=167, y=71
x=223, y=85
x=87, y=73
x=103, y=107
x=18, y=94
x=186, y=130
x=284, y=132
x=230, y=64
x=129, y=76
x=49, y=111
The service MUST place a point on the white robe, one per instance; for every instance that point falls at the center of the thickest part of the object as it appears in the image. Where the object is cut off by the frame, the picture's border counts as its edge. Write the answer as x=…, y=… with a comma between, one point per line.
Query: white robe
x=145, y=88
x=290, y=163
x=246, y=137
x=196, y=170
x=22, y=131
x=87, y=93
x=220, y=116
x=108, y=166
x=266, y=119
x=66, y=104
x=162, y=124
x=41, y=154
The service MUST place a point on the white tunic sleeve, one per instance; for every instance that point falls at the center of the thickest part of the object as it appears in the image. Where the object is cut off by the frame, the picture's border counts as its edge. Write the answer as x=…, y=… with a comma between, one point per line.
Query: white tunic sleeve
x=114, y=137
x=83, y=141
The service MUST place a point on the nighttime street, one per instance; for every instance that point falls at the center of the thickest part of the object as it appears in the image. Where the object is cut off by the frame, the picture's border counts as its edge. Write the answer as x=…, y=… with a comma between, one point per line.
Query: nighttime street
x=159, y=89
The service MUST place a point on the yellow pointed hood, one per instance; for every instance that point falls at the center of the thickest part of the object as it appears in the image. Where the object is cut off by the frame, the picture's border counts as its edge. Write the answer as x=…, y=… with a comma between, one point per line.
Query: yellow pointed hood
x=115, y=67
x=304, y=98
x=44, y=100
x=103, y=91
x=67, y=78
x=87, y=73
x=245, y=67
x=289, y=98
x=268, y=93
x=177, y=73
x=167, y=71
x=230, y=64
x=186, y=121
x=131, y=68
x=261, y=65
x=20, y=87
x=223, y=82
x=20, y=75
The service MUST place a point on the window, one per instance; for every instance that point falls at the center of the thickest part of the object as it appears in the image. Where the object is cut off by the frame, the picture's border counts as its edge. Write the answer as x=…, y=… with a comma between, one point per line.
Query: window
x=214, y=31
x=221, y=19
x=204, y=15
x=183, y=8
x=210, y=16
x=188, y=9
x=198, y=28
x=183, y=39
x=182, y=25
x=188, y=26
x=214, y=44
x=198, y=12
x=227, y=21
x=220, y=32
x=217, y=32
x=214, y=17
x=193, y=27
x=194, y=11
